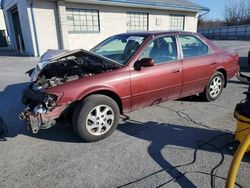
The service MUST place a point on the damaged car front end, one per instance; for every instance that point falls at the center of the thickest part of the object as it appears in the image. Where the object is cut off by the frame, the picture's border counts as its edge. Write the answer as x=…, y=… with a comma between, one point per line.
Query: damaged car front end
x=55, y=68
x=41, y=108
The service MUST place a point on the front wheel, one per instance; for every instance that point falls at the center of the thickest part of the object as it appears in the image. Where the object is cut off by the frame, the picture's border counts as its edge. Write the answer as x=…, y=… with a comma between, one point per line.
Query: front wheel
x=96, y=118
x=214, y=88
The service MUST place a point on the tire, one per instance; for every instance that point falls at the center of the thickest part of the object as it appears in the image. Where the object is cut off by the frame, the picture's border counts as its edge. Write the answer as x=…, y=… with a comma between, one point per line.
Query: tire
x=214, y=87
x=96, y=118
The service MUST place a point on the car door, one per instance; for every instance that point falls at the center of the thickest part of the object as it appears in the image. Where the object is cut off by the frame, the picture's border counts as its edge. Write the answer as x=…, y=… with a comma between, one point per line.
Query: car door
x=161, y=82
x=199, y=63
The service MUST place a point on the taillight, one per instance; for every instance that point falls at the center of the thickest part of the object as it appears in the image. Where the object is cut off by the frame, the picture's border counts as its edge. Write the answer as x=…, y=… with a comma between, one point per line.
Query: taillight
x=234, y=54
x=237, y=58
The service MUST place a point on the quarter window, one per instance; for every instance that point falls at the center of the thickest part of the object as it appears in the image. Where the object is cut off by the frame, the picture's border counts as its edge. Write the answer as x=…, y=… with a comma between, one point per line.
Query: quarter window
x=81, y=20
x=192, y=46
x=137, y=21
x=177, y=22
x=163, y=49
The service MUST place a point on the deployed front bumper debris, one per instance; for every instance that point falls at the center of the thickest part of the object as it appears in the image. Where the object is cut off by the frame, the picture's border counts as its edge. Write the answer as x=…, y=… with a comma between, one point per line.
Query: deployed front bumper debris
x=41, y=119
x=41, y=110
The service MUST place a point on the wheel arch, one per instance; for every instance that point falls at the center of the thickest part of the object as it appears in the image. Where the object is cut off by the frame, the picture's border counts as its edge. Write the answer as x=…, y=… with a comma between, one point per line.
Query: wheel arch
x=107, y=93
x=224, y=72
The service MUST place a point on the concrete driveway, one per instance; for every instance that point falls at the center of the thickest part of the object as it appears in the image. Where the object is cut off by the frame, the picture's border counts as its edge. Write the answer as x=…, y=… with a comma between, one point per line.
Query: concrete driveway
x=157, y=147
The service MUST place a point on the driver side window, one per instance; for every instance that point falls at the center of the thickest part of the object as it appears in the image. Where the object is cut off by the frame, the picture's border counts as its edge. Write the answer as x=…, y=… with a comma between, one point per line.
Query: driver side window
x=162, y=50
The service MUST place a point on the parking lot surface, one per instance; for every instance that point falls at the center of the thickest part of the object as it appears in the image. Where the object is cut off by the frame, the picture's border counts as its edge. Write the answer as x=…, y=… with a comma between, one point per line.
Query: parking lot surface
x=161, y=146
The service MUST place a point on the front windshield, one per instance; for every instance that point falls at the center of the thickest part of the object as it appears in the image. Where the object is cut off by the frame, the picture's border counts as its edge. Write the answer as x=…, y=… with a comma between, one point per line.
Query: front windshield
x=119, y=48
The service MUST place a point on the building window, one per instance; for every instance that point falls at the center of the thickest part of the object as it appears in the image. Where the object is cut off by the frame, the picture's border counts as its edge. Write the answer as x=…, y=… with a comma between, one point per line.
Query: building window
x=137, y=21
x=81, y=20
x=177, y=22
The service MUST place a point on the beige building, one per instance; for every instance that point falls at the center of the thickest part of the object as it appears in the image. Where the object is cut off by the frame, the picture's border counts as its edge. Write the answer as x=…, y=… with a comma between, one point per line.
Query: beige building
x=3, y=33
x=34, y=26
x=2, y=22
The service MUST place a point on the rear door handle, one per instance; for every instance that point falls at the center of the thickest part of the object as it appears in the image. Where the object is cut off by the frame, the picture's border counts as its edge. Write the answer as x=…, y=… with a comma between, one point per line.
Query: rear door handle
x=176, y=70
x=213, y=63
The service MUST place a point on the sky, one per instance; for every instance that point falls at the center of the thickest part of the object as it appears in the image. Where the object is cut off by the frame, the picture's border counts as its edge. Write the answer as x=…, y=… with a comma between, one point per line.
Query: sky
x=216, y=7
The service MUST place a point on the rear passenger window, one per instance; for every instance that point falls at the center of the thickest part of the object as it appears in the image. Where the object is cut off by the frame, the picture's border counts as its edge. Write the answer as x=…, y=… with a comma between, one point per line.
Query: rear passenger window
x=192, y=46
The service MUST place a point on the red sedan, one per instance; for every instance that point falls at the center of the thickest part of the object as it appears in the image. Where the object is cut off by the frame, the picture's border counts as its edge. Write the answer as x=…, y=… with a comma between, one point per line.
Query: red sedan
x=123, y=73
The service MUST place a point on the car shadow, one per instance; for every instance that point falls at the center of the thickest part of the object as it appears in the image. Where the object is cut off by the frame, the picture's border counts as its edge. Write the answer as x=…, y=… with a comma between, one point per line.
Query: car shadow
x=237, y=82
x=11, y=53
x=244, y=66
x=161, y=135
x=194, y=98
x=11, y=107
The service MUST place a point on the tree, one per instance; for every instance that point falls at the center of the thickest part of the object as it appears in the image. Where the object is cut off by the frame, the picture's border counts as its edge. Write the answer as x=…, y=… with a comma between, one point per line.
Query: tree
x=237, y=12
x=246, y=17
x=208, y=23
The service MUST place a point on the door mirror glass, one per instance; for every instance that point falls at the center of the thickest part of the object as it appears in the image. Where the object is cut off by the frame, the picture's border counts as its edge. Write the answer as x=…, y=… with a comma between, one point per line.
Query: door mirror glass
x=145, y=62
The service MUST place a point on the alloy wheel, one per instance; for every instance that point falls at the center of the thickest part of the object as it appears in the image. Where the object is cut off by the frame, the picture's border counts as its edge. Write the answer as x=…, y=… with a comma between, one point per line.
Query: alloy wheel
x=215, y=86
x=100, y=120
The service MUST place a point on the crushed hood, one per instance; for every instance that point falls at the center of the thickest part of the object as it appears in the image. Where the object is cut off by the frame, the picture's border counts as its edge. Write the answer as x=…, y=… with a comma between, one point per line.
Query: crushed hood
x=52, y=56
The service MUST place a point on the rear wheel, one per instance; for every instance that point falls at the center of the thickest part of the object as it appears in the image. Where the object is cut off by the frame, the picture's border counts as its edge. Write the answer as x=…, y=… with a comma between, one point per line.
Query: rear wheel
x=96, y=118
x=214, y=88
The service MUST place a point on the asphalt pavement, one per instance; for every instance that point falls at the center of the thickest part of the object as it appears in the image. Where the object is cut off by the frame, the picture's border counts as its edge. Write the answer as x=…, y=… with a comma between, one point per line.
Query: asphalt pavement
x=168, y=145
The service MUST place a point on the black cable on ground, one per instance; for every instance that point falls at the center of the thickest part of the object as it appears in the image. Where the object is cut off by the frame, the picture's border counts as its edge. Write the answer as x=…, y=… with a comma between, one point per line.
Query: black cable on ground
x=3, y=130
x=195, y=172
x=200, y=145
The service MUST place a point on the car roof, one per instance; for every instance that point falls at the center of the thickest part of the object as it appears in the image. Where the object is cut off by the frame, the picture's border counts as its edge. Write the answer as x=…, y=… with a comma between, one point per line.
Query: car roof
x=157, y=33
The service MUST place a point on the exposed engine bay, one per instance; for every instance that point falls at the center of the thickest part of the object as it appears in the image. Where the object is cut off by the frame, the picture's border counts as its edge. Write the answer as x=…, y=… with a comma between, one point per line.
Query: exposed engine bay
x=68, y=67
x=52, y=71
x=67, y=70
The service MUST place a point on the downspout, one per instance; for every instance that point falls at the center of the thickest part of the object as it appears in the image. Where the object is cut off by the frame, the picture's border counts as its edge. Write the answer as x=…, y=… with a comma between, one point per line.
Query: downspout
x=206, y=12
x=200, y=15
x=34, y=27
x=60, y=37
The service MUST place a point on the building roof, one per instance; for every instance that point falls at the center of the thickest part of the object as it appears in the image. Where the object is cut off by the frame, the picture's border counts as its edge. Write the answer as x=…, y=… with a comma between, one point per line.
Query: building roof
x=179, y=5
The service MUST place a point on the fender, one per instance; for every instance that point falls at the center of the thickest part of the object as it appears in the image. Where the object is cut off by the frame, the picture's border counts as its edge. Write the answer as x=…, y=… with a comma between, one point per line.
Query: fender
x=95, y=89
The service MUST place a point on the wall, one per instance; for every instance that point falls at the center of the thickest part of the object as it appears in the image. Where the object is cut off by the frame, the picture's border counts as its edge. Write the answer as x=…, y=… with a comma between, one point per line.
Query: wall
x=7, y=5
x=26, y=26
x=191, y=22
x=230, y=32
x=2, y=22
x=46, y=23
x=22, y=7
x=45, y=32
x=113, y=20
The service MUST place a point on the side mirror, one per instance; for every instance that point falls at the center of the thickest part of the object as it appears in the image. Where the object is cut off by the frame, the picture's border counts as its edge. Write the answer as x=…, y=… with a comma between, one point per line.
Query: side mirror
x=145, y=62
